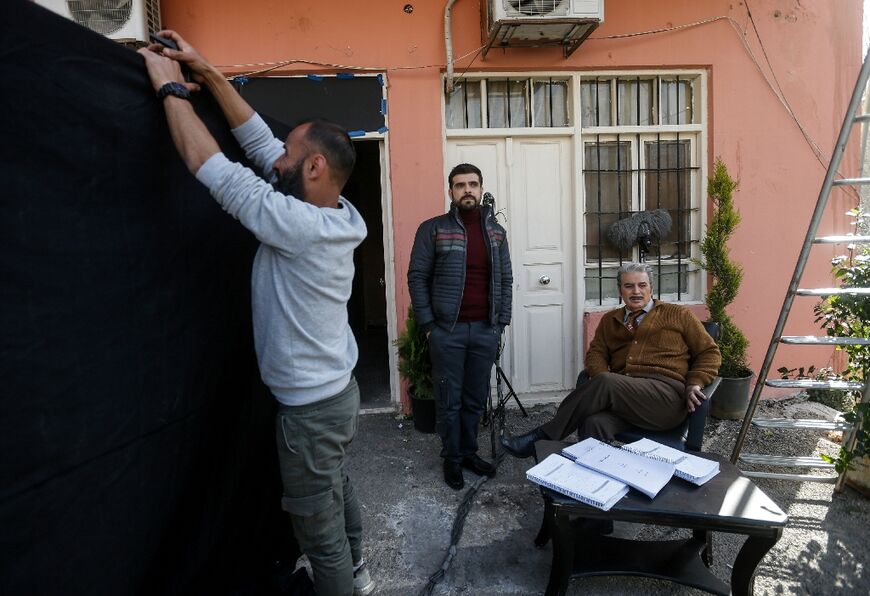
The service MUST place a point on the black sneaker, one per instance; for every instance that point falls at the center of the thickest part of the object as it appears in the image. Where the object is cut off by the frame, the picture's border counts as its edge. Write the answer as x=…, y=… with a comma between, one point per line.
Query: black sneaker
x=478, y=465
x=453, y=475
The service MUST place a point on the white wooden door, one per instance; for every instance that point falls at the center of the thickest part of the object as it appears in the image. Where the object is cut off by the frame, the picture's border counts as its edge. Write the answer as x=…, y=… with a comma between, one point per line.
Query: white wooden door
x=530, y=178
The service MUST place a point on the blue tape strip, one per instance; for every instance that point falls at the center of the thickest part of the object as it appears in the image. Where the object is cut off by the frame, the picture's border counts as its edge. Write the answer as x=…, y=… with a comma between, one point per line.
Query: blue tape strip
x=315, y=77
x=384, y=106
x=380, y=78
x=383, y=129
x=356, y=133
x=344, y=75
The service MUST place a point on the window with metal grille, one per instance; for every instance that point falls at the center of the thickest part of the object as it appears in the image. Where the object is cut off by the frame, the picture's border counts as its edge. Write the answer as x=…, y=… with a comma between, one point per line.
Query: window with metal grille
x=508, y=103
x=640, y=139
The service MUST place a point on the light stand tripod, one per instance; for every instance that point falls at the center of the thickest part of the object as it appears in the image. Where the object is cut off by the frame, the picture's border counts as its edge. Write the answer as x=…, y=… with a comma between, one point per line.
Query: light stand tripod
x=495, y=409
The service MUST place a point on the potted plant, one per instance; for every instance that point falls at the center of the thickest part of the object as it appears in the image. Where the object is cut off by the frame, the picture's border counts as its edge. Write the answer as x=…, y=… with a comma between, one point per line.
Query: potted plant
x=732, y=397
x=846, y=315
x=415, y=368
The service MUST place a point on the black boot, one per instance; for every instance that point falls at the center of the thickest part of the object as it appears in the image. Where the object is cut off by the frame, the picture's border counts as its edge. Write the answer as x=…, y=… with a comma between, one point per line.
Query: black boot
x=523, y=445
x=453, y=475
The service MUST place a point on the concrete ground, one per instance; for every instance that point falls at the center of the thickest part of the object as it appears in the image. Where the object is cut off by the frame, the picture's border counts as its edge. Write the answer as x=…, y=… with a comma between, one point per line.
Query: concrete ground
x=408, y=513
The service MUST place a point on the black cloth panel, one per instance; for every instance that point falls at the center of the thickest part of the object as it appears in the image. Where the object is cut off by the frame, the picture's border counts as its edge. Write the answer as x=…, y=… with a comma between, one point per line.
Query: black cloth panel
x=136, y=440
x=353, y=102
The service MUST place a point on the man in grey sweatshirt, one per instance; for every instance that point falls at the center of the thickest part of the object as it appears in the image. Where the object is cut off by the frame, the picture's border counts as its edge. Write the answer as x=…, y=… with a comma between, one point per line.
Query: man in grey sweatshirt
x=300, y=284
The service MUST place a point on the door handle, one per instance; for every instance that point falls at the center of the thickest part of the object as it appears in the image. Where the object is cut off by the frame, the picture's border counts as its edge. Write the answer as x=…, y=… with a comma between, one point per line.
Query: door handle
x=544, y=280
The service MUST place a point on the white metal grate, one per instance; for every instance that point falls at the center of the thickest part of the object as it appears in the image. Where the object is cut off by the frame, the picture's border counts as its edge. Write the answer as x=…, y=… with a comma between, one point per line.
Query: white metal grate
x=534, y=8
x=101, y=16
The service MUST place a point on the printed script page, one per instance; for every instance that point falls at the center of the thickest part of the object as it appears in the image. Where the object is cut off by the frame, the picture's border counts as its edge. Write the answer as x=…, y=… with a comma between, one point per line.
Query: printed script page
x=646, y=475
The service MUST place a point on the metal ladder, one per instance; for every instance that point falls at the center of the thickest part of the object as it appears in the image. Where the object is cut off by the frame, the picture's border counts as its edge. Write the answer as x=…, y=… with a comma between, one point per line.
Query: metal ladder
x=775, y=424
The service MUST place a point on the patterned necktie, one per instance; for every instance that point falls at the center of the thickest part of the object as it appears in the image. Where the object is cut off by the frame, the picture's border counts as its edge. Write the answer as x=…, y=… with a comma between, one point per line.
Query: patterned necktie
x=631, y=323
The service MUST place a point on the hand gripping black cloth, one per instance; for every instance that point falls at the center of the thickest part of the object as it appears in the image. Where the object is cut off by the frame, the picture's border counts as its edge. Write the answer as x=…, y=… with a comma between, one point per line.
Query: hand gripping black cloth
x=136, y=441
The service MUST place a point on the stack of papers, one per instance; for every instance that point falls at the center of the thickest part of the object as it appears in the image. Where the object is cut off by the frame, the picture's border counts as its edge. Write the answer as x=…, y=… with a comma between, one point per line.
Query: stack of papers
x=696, y=470
x=563, y=476
x=648, y=476
x=599, y=474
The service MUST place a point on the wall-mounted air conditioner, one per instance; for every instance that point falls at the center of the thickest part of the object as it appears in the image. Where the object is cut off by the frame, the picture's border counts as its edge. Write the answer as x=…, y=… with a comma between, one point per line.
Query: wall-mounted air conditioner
x=535, y=23
x=121, y=20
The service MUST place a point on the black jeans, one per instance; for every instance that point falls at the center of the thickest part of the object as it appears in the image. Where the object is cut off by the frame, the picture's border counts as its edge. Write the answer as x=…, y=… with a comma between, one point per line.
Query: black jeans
x=462, y=362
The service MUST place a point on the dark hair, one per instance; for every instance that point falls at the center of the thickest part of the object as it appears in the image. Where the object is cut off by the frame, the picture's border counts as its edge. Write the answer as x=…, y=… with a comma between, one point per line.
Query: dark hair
x=333, y=142
x=464, y=168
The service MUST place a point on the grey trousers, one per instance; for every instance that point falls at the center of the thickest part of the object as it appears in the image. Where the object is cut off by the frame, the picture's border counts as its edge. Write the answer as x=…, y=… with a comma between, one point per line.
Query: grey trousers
x=312, y=443
x=462, y=362
x=610, y=403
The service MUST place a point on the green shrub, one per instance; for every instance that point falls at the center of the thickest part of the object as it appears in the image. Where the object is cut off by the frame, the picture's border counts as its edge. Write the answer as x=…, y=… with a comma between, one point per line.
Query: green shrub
x=414, y=364
x=849, y=316
x=727, y=275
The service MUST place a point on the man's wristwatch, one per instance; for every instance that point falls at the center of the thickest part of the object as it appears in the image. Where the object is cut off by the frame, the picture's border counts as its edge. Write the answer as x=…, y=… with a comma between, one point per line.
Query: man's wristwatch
x=174, y=89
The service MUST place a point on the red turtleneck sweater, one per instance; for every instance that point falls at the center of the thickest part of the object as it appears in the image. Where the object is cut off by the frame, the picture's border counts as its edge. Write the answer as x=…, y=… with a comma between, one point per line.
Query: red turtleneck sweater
x=475, y=298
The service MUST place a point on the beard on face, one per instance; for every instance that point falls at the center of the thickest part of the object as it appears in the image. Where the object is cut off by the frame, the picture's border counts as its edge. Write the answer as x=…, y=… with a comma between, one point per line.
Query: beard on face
x=463, y=206
x=289, y=182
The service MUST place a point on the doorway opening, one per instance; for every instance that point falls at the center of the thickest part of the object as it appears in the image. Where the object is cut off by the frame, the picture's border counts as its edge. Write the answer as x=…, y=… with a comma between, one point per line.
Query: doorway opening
x=367, y=307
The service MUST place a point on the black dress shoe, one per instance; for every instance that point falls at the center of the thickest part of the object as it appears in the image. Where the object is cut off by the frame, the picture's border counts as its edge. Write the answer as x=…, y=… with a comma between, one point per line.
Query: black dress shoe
x=478, y=465
x=453, y=475
x=523, y=445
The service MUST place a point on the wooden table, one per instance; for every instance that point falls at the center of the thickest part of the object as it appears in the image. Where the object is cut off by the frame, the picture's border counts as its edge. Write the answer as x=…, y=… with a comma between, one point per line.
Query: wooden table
x=729, y=502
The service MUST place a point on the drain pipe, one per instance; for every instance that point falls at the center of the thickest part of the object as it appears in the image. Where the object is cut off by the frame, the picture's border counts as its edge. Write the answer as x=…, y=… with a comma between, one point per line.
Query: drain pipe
x=448, y=43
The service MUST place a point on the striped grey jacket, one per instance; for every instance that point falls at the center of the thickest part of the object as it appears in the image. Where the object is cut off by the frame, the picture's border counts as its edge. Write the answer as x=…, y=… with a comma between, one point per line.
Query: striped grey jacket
x=436, y=273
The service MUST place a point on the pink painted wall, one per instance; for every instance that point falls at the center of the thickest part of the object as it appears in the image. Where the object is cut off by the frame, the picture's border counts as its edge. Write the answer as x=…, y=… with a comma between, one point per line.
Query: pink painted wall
x=814, y=49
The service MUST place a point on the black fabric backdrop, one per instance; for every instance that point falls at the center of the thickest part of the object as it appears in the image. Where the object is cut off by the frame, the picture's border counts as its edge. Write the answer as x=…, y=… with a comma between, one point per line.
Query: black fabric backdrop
x=136, y=441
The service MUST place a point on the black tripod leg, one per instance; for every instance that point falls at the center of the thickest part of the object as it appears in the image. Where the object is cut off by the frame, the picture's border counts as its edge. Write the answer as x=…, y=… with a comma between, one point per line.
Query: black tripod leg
x=511, y=393
x=491, y=426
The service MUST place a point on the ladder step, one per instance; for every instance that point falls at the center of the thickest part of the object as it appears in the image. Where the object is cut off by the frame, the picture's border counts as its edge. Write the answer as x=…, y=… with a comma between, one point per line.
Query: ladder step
x=801, y=424
x=861, y=118
x=842, y=240
x=809, y=340
x=786, y=461
x=834, y=292
x=851, y=181
x=791, y=477
x=813, y=384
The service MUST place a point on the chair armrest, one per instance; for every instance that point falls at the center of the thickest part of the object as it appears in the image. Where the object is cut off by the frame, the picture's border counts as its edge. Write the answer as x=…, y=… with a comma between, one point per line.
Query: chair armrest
x=698, y=418
x=710, y=389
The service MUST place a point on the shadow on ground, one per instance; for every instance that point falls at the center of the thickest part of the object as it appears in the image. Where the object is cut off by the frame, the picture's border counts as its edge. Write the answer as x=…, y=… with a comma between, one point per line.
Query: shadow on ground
x=408, y=513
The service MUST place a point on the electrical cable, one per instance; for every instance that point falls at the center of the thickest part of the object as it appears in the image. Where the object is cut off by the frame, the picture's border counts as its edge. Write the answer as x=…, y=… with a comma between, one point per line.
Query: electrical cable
x=270, y=66
x=781, y=95
x=773, y=84
x=456, y=532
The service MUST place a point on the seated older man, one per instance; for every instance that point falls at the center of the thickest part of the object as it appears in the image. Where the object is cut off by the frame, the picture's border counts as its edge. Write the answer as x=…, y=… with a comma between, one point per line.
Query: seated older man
x=647, y=363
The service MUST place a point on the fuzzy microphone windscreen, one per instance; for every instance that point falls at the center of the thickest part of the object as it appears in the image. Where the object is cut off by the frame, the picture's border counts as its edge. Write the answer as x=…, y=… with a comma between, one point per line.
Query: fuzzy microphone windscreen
x=623, y=234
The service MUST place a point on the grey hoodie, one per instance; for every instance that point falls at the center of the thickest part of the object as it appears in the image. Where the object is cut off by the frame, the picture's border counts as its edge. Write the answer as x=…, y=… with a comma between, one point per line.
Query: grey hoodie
x=302, y=274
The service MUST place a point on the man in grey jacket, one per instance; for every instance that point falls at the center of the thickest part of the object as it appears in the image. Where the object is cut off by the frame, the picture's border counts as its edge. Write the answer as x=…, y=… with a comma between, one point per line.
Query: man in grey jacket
x=300, y=283
x=461, y=286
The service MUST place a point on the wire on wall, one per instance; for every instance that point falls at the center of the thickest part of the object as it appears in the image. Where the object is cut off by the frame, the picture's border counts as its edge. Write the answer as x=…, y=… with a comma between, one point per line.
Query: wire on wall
x=770, y=79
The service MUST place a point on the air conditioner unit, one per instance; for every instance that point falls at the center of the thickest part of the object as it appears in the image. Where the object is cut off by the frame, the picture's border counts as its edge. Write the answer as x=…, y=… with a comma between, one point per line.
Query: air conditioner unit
x=121, y=20
x=535, y=23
